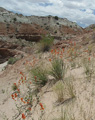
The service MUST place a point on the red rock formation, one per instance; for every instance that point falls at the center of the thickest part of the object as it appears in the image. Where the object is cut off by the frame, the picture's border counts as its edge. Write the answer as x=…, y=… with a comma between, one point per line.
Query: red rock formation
x=31, y=32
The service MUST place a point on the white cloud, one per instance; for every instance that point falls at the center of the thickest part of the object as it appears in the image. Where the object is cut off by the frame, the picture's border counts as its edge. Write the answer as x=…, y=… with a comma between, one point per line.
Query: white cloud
x=80, y=11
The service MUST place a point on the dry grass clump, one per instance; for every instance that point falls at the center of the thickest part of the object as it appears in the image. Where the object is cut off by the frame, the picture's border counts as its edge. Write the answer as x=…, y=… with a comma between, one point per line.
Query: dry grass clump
x=59, y=90
x=64, y=90
x=46, y=43
x=39, y=76
x=58, y=69
x=88, y=68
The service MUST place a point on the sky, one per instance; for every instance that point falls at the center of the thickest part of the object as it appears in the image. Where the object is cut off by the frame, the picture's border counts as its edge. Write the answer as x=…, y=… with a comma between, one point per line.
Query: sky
x=80, y=11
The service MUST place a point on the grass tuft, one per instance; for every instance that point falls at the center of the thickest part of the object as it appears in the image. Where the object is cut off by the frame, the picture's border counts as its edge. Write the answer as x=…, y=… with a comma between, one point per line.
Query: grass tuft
x=46, y=43
x=39, y=76
x=58, y=69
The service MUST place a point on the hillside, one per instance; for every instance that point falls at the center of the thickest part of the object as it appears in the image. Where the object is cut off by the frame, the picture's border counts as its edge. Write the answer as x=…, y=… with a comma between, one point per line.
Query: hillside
x=53, y=25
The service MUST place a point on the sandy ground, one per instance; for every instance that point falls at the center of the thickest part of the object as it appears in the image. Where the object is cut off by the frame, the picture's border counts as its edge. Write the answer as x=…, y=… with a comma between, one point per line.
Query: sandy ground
x=82, y=107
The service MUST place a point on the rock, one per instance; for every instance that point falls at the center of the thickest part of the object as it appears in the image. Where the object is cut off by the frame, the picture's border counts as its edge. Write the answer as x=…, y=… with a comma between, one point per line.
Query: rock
x=5, y=54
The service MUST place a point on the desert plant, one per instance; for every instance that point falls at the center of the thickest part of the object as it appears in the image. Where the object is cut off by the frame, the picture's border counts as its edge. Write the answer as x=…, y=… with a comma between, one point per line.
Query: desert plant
x=56, y=17
x=70, y=87
x=88, y=68
x=58, y=69
x=39, y=76
x=12, y=60
x=46, y=43
x=59, y=90
x=64, y=90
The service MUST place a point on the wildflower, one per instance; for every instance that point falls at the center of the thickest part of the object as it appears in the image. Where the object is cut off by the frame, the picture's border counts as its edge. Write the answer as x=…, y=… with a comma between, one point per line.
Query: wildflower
x=18, y=90
x=30, y=82
x=21, y=78
x=15, y=95
x=29, y=108
x=50, y=60
x=61, y=56
x=22, y=81
x=22, y=99
x=35, y=78
x=12, y=96
x=55, y=50
x=89, y=58
x=42, y=108
x=74, y=43
x=52, y=51
x=21, y=73
x=24, y=102
x=27, y=102
x=23, y=116
x=15, y=84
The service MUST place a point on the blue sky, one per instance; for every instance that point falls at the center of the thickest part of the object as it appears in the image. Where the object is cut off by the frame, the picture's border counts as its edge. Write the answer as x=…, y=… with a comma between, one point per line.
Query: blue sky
x=80, y=11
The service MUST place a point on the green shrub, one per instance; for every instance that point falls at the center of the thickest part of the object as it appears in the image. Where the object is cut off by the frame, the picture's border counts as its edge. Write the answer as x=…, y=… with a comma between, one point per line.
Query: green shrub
x=58, y=69
x=39, y=76
x=46, y=43
x=12, y=60
x=56, y=17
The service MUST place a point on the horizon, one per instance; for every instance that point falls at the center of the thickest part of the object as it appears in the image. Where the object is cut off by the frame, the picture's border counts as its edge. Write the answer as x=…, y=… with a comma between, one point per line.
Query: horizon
x=83, y=13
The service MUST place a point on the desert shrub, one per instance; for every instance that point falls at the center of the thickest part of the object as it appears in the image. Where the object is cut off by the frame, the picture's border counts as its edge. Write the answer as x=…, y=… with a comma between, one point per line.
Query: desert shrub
x=58, y=69
x=70, y=87
x=46, y=43
x=56, y=17
x=12, y=60
x=59, y=90
x=39, y=76
x=88, y=68
x=64, y=90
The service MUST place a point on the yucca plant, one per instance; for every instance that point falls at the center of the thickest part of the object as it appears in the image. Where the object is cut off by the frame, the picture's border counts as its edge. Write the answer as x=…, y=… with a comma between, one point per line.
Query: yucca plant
x=58, y=69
